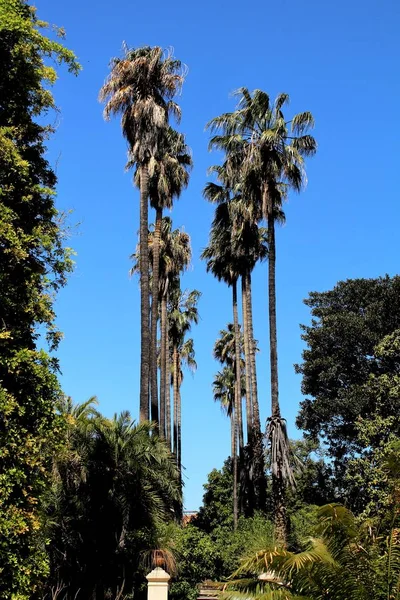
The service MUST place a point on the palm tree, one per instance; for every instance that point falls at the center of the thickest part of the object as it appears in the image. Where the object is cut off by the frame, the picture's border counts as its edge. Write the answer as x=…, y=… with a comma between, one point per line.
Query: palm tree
x=175, y=257
x=269, y=152
x=347, y=561
x=114, y=483
x=224, y=352
x=168, y=175
x=185, y=357
x=141, y=87
x=224, y=392
x=183, y=313
x=221, y=262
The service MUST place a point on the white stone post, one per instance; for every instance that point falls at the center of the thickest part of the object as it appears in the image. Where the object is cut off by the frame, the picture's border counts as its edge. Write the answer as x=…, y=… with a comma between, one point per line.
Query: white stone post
x=157, y=587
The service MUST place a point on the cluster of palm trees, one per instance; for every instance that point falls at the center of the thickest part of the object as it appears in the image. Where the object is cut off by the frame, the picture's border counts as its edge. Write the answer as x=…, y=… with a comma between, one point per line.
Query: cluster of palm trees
x=263, y=159
x=141, y=88
x=113, y=483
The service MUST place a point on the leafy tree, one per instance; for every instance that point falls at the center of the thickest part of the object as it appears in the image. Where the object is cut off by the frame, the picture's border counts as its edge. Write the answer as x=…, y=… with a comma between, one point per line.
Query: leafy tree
x=368, y=484
x=268, y=152
x=344, y=374
x=141, y=88
x=216, y=510
x=33, y=267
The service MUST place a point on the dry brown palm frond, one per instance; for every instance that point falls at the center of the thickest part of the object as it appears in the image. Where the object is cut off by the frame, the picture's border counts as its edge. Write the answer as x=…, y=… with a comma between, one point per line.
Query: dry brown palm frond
x=284, y=463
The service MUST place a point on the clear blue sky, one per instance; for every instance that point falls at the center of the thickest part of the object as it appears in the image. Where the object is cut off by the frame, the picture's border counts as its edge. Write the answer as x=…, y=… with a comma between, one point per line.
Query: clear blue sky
x=339, y=60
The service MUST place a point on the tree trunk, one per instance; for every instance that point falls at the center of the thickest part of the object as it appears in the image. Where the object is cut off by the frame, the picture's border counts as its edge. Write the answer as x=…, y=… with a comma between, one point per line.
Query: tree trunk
x=235, y=470
x=167, y=384
x=252, y=349
x=278, y=484
x=179, y=421
x=233, y=434
x=273, y=345
x=238, y=387
x=260, y=483
x=249, y=408
x=237, y=407
x=154, y=320
x=163, y=367
x=176, y=391
x=144, y=295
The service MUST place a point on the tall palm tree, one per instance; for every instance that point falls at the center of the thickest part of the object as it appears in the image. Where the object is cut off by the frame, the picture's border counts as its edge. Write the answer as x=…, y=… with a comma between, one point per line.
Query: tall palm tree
x=269, y=151
x=185, y=357
x=224, y=392
x=168, y=175
x=141, y=88
x=183, y=313
x=221, y=262
x=175, y=257
x=224, y=352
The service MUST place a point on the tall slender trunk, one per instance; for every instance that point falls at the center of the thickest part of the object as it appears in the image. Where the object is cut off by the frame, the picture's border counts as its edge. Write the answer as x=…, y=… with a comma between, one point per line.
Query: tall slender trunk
x=167, y=384
x=233, y=434
x=179, y=421
x=176, y=391
x=144, y=295
x=163, y=363
x=252, y=350
x=249, y=407
x=154, y=319
x=235, y=468
x=237, y=408
x=278, y=484
x=238, y=386
x=260, y=483
x=273, y=345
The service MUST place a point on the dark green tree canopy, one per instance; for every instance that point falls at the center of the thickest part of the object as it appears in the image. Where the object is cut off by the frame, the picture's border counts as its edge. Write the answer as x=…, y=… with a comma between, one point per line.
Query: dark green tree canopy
x=33, y=266
x=348, y=323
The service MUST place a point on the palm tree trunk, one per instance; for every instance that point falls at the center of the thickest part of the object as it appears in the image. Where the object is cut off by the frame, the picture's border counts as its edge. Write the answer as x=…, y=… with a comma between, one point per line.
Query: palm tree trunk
x=179, y=422
x=249, y=411
x=235, y=469
x=260, y=484
x=233, y=434
x=176, y=391
x=238, y=387
x=144, y=295
x=237, y=408
x=154, y=319
x=167, y=384
x=163, y=365
x=278, y=485
x=252, y=350
x=273, y=345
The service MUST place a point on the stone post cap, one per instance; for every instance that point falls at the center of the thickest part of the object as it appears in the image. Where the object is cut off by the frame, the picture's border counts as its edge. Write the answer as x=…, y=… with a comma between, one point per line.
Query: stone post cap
x=158, y=575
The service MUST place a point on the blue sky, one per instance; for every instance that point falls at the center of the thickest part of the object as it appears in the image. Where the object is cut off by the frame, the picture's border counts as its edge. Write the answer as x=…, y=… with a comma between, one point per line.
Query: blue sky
x=339, y=60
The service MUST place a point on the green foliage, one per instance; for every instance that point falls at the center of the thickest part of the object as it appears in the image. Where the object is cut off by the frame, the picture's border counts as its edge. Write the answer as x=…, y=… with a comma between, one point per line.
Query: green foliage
x=314, y=484
x=34, y=265
x=216, y=510
x=347, y=561
x=114, y=484
x=347, y=372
